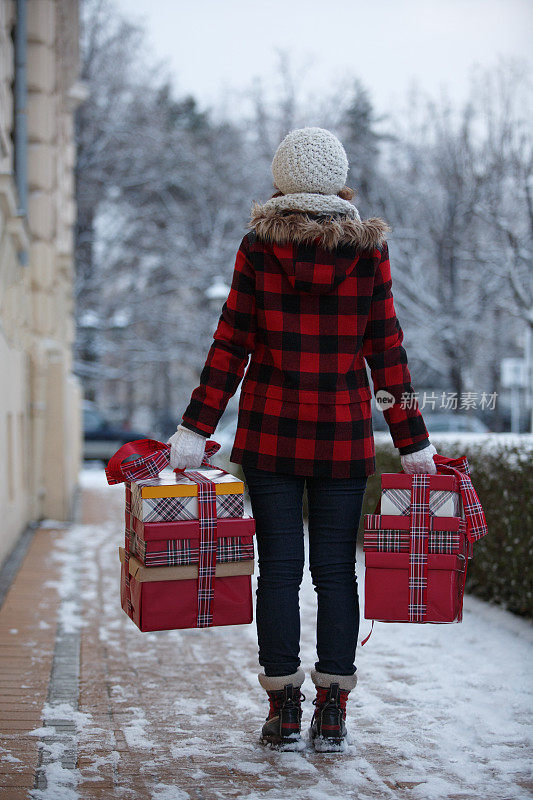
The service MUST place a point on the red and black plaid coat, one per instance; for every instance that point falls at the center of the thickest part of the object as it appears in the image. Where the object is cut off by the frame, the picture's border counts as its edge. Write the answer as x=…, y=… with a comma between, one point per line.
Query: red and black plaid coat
x=310, y=300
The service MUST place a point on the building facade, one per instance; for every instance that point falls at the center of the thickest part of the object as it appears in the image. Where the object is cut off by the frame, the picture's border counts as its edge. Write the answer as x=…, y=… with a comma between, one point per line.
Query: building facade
x=40, y=424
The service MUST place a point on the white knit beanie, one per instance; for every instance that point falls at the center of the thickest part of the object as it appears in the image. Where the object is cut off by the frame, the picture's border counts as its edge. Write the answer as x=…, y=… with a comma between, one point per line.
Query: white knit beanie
x=310, y=160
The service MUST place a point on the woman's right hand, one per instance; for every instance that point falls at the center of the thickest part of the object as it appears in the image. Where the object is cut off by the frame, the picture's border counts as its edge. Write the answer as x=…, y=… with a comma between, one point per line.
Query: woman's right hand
x=187, y=448
x=420, y=462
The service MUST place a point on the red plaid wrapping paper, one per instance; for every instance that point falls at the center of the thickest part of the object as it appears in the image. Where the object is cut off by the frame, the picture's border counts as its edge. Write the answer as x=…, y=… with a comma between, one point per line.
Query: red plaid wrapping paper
x=443, y=502
x=177, y=552
x=446, y=535
x=171, y=509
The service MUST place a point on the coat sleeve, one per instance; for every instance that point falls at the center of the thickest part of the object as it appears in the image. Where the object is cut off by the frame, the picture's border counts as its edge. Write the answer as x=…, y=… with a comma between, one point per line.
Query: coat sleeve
x=387, y=359
x=226, y=360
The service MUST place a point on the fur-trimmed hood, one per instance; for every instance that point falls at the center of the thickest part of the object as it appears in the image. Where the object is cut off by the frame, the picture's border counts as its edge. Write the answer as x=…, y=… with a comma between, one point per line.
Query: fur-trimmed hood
x=330, y=245
x=277, y=226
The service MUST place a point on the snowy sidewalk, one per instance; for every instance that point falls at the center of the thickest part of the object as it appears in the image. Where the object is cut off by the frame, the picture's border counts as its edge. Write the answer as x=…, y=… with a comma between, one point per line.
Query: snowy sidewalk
x=92, y=708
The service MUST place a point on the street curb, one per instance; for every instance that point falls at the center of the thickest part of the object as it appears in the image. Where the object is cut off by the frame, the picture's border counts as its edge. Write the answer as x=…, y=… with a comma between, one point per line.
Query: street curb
x=63, y=688
x=12, y=564
x=14, y=561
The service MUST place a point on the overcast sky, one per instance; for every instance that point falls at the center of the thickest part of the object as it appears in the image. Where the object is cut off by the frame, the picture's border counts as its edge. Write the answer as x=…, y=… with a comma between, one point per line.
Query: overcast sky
x=218, y=46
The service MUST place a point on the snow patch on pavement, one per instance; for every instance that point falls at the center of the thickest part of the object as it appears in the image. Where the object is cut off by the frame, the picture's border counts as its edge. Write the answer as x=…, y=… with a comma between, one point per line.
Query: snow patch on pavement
x=56, y=746
x=60, y=782
x=8, y=757
x=163, y=791
x=135, y=730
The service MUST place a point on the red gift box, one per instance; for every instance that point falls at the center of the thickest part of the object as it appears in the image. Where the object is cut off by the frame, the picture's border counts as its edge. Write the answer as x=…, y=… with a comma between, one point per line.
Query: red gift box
x=444, y=496
x=415, y=566
x=390, y=533
x=387, y=592
x=166, y=598
x=158, y=544
x=387, y=544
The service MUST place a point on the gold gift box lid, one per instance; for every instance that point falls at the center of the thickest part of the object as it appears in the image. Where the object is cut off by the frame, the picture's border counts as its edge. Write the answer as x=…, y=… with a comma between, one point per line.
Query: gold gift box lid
x=144, y=574
x=172, y=484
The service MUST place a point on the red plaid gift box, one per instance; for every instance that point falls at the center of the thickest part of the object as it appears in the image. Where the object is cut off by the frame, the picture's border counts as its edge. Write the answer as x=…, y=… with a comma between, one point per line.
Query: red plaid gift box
x=171, y=497
x=444, y=496
x=415, y=565
x=190, y=589
x=172, y=544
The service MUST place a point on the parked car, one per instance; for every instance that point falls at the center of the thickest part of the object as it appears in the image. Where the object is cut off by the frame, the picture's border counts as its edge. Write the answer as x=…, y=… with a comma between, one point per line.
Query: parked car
x=100, y=439
x=453, y=423
x=438, y=423
x=379, y=423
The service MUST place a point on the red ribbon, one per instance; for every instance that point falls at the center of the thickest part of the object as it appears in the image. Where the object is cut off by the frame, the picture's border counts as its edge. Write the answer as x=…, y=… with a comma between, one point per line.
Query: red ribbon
x=207, y=521
x=418, y=548
x=476, y=524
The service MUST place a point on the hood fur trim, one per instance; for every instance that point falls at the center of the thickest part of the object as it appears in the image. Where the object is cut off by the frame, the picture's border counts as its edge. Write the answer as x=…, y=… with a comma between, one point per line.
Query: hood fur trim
x=297, y=227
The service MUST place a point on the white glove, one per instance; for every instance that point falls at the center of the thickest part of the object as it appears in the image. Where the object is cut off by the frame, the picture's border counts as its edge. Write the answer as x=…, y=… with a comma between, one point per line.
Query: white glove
x=187, y=448
x=420, y=462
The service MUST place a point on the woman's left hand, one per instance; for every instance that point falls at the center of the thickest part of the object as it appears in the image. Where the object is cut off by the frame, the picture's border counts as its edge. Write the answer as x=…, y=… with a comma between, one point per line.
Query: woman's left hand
x=420, y=462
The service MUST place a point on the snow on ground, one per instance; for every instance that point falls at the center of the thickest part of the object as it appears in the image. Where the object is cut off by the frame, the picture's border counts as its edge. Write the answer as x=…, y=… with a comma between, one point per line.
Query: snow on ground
x=440, y=711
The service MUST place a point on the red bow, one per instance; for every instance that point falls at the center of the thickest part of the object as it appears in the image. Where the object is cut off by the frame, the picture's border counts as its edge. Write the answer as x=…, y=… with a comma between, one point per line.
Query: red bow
x=476, y=525
x=145, y=459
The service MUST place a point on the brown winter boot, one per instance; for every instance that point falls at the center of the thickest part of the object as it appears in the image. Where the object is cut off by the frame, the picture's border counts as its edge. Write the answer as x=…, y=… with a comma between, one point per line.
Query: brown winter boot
x=282, y=729
x=328, y=728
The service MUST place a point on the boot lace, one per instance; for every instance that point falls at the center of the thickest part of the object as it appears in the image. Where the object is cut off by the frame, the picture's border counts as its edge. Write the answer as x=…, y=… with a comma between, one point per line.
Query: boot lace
x=323, y=699
x=277, y=700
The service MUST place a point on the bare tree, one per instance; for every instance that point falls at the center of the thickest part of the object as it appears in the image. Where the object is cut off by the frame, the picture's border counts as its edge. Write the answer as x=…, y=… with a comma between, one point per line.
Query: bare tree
x=447, y=244
x=506, y=211
x=163, y=198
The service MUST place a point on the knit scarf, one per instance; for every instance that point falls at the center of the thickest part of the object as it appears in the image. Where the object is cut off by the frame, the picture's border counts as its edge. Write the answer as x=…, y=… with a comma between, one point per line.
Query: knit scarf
x=313, y=203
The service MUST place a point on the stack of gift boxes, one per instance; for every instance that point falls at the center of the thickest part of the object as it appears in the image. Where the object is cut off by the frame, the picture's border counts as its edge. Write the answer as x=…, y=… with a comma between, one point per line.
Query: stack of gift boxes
x=416, y=550
x=163, y=583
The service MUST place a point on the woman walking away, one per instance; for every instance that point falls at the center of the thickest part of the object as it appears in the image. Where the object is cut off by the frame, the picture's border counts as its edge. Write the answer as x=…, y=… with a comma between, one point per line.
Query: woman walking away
x=311, y=301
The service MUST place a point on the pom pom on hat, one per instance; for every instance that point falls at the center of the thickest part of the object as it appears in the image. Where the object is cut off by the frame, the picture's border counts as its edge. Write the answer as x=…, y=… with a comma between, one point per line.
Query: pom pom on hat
x=310, y=160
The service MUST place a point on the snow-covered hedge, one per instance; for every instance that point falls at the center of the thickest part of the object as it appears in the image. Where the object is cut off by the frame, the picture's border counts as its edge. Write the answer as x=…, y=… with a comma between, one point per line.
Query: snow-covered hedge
x=502, y=473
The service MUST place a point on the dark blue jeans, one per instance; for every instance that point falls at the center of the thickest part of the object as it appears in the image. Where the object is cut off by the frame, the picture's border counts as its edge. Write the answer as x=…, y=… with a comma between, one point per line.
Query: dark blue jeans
x=334, y=506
